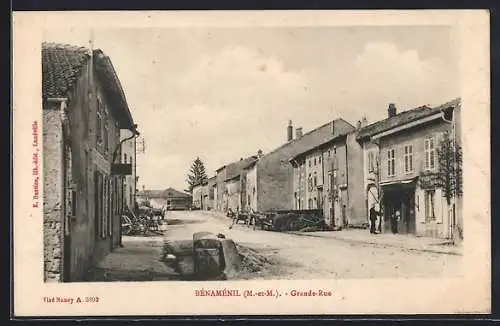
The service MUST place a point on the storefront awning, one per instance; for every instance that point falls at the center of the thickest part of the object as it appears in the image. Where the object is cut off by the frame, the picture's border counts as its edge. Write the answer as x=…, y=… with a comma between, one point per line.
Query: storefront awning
x=398, y=184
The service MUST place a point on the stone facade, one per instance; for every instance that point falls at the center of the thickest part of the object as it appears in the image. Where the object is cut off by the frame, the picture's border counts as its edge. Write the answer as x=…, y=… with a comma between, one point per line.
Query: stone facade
x=329, y=178
x=275, y=170
x=200, y=196
x=233, y=194
x=399, y=158
x=83, y=201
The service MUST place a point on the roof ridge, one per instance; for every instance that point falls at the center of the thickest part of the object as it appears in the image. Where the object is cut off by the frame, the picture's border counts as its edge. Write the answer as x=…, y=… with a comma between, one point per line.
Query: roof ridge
x=398, y=114
x=309, y=133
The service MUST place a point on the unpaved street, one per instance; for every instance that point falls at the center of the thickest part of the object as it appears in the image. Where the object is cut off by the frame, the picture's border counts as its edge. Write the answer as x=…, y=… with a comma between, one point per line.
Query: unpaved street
x=292, y=256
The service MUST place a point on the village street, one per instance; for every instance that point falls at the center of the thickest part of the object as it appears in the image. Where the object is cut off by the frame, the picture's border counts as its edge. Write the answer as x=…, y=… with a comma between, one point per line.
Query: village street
x=275, y=255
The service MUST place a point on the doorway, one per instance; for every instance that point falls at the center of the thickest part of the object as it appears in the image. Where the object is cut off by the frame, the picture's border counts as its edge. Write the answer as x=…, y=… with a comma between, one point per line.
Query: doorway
x=400, y=200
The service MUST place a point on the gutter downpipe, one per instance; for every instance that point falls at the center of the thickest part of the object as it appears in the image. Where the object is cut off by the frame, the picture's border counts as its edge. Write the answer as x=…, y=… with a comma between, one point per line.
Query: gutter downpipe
x=451, y=211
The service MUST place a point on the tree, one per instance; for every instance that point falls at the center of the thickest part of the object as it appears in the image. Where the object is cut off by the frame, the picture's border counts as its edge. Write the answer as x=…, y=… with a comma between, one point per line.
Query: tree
x=375, y=180
x=449, y=156
x=197, y=175
x=449, y=176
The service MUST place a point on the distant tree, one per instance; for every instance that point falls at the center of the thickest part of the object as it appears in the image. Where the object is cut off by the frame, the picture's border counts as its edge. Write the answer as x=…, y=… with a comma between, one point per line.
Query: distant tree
x=197, y=175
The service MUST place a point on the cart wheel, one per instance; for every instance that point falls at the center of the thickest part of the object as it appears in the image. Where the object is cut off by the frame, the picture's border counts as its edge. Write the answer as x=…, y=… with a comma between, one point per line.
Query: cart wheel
x=126, y=229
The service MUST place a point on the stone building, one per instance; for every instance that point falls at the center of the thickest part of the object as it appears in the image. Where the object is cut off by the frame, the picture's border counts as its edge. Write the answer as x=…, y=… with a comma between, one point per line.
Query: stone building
x=169, y=199
x=84, y=111
x=270, y=180
x=200, y=196
x=402, y=168
x=227, y=173
x=329, y=176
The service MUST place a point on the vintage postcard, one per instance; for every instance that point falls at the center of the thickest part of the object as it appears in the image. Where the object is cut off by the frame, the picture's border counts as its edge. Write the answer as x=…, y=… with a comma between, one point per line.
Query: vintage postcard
x=251, y=163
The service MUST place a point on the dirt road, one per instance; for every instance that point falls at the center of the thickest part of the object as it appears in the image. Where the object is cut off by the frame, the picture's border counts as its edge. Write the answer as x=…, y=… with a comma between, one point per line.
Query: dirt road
x=291, y=256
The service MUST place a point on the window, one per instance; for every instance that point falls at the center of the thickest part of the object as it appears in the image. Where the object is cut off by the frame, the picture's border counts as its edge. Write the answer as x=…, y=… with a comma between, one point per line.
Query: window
x=319, y=159
x=106, y=139
x=329, y=153
x=391, y=162
x=315, y=179
x=314, y=161
x=73, y=203
x=309, y=203
x=334, y=150
x=315, y=203
x=371, y=161
x=429, y=153
x=309, y=162
x=125, y=158
x=408, y=158
x=329, y=184
x=98, y=129
x=429, y=206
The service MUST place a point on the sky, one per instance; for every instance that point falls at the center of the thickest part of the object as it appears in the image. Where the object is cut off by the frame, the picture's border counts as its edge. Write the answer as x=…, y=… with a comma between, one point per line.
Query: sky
x=224, y=93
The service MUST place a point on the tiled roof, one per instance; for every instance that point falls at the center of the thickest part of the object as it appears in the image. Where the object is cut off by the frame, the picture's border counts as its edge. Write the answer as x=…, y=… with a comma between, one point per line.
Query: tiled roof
x=403, y=118
x=314, y=138
x=61, y=66
x=234, y=169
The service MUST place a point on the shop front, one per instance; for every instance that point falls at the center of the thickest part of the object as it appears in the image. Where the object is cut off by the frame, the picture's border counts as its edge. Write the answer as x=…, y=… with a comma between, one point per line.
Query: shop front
x=399, y=207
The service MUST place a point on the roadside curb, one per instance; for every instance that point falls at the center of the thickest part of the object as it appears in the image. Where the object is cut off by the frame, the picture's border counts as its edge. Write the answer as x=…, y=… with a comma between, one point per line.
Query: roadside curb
x=378, y=244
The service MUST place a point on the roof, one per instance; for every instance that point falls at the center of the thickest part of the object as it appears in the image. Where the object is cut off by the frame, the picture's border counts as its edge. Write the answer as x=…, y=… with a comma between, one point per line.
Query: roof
x=234, y=169
x=250, y=165
x=63, y=64
x=403, y=118
x=168, y=193
x=338, y=137
x=171, y=192
x=314, y=138
x=151, y=193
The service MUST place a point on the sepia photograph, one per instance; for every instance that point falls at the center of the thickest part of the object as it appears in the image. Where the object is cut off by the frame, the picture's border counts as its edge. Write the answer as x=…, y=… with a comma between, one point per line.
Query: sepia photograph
x=214, y=155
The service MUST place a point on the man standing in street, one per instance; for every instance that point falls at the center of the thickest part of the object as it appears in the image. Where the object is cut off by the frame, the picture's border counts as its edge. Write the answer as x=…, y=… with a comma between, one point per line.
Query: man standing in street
x=373, y=219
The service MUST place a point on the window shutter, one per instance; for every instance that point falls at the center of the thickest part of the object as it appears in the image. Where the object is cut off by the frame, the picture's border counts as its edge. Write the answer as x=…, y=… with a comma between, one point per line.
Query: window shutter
x=110, y=206
x=420, y=207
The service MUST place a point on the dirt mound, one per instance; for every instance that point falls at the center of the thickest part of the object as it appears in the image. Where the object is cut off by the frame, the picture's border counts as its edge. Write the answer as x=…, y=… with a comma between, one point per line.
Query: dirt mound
x=252, y=261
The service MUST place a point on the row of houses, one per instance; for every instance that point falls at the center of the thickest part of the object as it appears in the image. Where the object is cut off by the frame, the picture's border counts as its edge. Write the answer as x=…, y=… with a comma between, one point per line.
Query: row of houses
x=88, y=159
x=344, y=170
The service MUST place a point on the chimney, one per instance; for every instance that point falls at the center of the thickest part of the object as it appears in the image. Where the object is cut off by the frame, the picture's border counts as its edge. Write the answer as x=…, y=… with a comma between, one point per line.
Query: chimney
x=364, y=122
x=289, y=131
x=391, y=111
x=332, y=125
x=359, y=124
x=298, y=132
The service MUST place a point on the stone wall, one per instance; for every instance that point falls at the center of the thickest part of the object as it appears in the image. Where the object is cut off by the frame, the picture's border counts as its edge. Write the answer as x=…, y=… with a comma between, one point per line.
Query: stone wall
x=52, y=194
x=355, y=182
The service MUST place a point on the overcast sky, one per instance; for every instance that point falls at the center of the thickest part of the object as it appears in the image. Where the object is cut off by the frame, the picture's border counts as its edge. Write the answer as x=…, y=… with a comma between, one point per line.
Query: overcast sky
x=225, y=93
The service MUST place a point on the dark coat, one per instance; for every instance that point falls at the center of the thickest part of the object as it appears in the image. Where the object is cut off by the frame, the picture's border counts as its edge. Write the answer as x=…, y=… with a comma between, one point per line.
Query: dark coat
x=373, y=214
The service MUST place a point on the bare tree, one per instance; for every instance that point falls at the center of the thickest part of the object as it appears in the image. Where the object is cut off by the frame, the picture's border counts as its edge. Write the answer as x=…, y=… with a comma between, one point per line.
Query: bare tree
x=375, y=180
